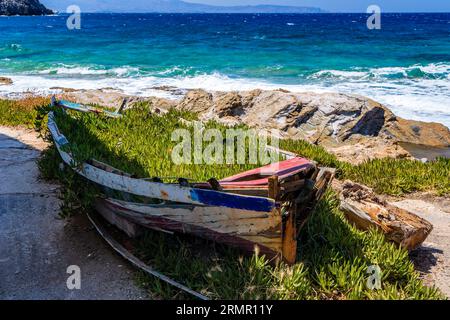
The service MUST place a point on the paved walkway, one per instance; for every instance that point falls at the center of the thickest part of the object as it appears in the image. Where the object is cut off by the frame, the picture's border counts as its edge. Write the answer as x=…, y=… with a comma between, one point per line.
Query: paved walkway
x=432, y=259
x=36, y=247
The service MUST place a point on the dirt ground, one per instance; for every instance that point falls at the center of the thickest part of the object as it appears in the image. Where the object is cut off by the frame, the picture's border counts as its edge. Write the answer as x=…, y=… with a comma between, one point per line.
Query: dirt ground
x=36, y=247
x=432, y=259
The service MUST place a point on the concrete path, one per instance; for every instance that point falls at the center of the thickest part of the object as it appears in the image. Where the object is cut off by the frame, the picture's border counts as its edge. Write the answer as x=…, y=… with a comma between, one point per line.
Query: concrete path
x=432, y=259
x=36, y=247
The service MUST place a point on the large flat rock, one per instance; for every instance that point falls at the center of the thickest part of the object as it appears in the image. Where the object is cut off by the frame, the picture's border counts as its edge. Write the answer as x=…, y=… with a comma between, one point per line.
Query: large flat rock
x=353, y=127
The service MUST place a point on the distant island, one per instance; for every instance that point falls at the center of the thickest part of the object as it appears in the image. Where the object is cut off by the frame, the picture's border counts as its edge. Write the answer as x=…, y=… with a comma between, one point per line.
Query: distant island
x=171, y=6
x=23, y=8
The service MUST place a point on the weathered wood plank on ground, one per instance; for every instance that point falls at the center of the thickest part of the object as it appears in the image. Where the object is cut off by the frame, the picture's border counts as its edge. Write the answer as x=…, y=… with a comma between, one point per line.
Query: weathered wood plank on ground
x=366, y=210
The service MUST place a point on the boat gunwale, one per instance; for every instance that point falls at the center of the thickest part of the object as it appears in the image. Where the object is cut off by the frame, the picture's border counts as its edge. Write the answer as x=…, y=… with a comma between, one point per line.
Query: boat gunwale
x=83, y=108
x=172, y=192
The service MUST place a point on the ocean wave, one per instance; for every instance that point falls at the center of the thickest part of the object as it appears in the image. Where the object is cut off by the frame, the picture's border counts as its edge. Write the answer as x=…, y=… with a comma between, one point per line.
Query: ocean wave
x=100, y=71
x=430, y=71
x=174, y=71
x=69, y=70
x=12, y=47
x=418, y=99
x=340, y=74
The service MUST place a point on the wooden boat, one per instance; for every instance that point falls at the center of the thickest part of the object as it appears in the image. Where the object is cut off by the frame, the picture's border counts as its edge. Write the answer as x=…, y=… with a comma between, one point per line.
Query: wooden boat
x=262, y=208
x=82, y=108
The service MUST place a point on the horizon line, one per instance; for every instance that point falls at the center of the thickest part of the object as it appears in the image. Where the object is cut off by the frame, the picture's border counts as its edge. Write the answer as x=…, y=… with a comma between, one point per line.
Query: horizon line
x=299, y=13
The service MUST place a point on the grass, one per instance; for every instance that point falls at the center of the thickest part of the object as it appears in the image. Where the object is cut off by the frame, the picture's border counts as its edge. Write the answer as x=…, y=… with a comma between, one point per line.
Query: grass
x=333, y=256
x=386, y=176
x=20, y=112
x=398, y=177
x=140, y=144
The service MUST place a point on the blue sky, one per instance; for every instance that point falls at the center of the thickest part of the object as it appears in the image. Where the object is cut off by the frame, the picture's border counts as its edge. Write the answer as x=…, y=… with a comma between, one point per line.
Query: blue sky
x=347, y=5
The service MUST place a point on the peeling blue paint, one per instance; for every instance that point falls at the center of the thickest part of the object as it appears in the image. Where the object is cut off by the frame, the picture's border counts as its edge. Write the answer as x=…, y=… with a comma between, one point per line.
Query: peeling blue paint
x=82, y=108
x=220, y=199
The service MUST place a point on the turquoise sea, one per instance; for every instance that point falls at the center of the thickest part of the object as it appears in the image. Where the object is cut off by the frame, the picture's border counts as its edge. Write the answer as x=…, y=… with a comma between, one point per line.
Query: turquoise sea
x=405, y=65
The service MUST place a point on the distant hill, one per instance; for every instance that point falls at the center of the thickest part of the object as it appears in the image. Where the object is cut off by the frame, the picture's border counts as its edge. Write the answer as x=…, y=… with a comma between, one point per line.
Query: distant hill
x=173, y=6
x=23, y=8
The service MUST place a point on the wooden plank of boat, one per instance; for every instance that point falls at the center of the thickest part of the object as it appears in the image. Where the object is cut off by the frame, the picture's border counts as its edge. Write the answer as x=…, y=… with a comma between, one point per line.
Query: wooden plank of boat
x=366, y=210
x=137, y=262
x=290, y=173
x=83, y=108
x=221, y=225
x=260, y=176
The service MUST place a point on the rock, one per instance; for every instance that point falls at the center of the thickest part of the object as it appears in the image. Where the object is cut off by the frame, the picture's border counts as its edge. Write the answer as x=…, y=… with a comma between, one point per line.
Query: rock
x=63, y=89
x=421, y=133
x=23, y=7
x=196, y=101
x=229, y=104
x=103, y=97
x=353, y=127
x=5, y=81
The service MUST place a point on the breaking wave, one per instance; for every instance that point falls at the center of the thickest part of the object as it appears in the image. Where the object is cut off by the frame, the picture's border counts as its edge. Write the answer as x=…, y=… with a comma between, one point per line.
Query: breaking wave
x=415, y=92
x=430, y=71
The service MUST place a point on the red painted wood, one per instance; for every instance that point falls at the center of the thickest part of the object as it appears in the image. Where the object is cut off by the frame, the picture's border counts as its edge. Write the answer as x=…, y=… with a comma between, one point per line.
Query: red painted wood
x=260, y=176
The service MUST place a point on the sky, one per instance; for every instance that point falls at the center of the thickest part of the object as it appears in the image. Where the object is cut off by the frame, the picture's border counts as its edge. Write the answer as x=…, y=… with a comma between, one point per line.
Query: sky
x=328, y=5
x=347, y=5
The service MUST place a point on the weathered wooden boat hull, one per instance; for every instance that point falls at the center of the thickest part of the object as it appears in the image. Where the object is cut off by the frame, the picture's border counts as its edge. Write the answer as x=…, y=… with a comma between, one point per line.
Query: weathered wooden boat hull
x=270, y=222
x=246, y=237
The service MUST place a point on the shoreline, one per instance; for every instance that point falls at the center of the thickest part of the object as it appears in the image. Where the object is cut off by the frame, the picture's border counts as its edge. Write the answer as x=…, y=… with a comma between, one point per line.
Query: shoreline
x=419, y=99
x=354, y=137
x=168, y=92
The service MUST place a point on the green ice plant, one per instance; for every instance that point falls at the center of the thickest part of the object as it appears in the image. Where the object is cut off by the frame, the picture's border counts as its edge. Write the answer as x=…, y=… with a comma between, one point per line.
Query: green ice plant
x=140, y=143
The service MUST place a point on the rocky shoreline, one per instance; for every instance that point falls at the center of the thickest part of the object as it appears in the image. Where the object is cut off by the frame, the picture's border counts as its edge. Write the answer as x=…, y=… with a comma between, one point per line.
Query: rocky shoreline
x=352, y=127
x=23, y=8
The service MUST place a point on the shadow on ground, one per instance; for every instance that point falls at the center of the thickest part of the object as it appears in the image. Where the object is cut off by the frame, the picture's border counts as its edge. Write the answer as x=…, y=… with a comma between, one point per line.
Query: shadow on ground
x=37, y=247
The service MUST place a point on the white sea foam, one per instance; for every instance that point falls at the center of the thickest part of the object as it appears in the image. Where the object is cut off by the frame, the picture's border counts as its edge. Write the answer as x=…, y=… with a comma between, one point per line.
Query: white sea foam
x=338, y=74
x=438, y=70
x=425, y=98
x=62, y=69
